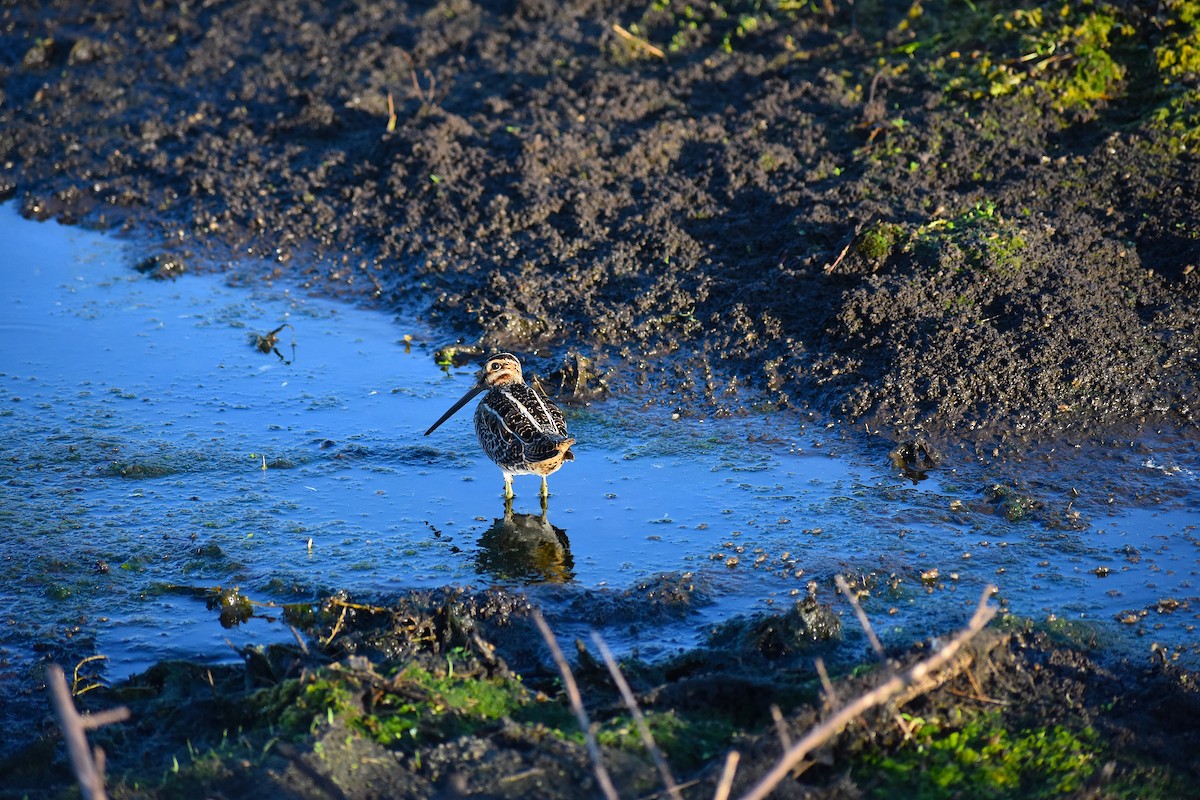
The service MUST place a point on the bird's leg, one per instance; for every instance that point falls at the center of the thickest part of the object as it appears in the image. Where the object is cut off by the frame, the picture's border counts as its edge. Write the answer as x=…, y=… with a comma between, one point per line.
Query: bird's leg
x=545, y=488
x=508, y=492
x=544, y=507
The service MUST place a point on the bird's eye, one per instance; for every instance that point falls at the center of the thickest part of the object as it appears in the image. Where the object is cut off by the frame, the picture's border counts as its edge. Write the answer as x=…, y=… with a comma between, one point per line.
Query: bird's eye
x=495, y=365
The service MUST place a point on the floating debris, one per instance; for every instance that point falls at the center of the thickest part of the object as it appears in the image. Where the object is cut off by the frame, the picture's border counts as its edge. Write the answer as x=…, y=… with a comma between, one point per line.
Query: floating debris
x=162, y=267
x=269, y=343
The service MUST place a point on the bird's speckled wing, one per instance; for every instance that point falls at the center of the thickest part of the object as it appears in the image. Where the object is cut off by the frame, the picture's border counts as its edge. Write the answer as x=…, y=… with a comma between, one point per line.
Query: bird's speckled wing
x=517, y=426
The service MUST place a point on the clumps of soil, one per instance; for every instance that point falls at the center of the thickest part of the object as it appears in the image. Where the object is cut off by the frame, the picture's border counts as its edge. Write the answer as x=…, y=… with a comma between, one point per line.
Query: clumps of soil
x=409, y=699
x=914, y=459
x=422, y=625
x=883, y=213
x=1060, y=716
x=162, y=267
x=773, y=636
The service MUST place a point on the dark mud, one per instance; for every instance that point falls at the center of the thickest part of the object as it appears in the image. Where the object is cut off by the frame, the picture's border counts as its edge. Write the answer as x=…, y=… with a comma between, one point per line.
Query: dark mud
x=944, y=216
x=959, y=220
x=445, y=694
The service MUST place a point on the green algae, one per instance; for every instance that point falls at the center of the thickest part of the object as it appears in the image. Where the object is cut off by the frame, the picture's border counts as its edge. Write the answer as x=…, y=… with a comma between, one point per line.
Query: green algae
x=982, y=757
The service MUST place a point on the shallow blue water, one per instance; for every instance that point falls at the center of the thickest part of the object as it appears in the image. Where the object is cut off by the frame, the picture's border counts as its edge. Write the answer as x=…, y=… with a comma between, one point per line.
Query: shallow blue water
x=137, y=418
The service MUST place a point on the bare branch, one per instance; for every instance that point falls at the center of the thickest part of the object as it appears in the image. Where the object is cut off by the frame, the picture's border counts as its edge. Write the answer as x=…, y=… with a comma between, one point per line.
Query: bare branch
x=781, y=727
x=643, y=729
x=602, y=777
x=89, y=769
x=890, y=688
x=106, y=717
x=726, y=782
x=299, y=641
x=844, y=588
x=831, y=698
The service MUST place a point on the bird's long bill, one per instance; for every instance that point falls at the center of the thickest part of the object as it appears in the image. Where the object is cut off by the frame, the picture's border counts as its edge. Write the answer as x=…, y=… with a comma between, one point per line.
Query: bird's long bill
x=466, y=398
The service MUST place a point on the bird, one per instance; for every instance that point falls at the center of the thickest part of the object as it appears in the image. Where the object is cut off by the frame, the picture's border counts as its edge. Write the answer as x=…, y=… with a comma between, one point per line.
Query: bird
x=518, y=427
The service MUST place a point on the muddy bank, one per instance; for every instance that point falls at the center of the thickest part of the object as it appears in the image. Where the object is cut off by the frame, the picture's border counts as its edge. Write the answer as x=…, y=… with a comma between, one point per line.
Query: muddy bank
x=956, y=218
x=944, y=216
x=449, y=694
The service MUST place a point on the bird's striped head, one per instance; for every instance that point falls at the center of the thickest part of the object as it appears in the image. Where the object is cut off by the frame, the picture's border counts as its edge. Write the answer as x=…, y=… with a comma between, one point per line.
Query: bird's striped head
x=501, y=369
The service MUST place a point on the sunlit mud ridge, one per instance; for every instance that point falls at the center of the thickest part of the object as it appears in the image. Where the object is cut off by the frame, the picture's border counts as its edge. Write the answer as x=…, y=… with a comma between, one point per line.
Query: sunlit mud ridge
x=967, y=218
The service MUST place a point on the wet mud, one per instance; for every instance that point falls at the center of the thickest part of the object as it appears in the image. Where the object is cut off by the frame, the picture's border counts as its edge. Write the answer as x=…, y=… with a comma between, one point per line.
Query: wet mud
x=966, y=225
x=927, y=217
x=448, y=693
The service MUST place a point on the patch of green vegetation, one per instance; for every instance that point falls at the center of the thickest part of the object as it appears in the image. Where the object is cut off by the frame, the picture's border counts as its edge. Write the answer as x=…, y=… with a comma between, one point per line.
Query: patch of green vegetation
x=878, y=241
x=298, y=707
x=1075, y=53
x=683, y=26
x=686, y=743
x=1073, y=56
x=984, y=759
x=985, y=238
x=1177, y=60
x=1178, y=56
x=419, y=705
x=413, y=707
x=1015, y=505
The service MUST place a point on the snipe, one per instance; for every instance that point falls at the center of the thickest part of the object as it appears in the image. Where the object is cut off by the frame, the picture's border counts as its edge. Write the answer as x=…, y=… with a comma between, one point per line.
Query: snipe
x=519, y=428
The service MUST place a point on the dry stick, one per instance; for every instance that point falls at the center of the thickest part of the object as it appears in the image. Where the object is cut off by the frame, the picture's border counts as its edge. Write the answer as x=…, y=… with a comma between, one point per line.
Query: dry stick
x=602, y=777
x=391, y=123
x=780, y=727
x=877, y=696
x=639, y=41
x=841, y=255
x=844, y=588
x=75, y=690
x=639, y=720
x=74, y=727
x=337, y=627
x=105, y=717
x=830, y=695
x=726, y=782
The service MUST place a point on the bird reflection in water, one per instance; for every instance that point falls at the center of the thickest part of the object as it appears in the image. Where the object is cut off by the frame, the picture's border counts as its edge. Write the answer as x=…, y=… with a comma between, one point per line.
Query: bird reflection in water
x=526, y=548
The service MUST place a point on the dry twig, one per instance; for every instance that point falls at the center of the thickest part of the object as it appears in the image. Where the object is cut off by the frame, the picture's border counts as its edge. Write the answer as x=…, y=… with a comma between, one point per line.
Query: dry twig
x=872, y=637
x=781, y=727
x=639, y=720
x=639, y=41
x=75, y=690
x=842, y=255
x=887, y=690
x=844, y=588
x=726, y=782
x=831, y=698
x=602, y=777
x=88, y=765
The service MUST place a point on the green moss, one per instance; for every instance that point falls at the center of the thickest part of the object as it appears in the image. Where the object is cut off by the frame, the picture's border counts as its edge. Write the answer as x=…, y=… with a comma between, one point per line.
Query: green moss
x=419, y=705
x=1179, y=54
x=984, y=759
x=1095, y=74
x=1177, y=59
x=686, y=743
x=878, y=241
x=686, y=26
x=986, y=239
